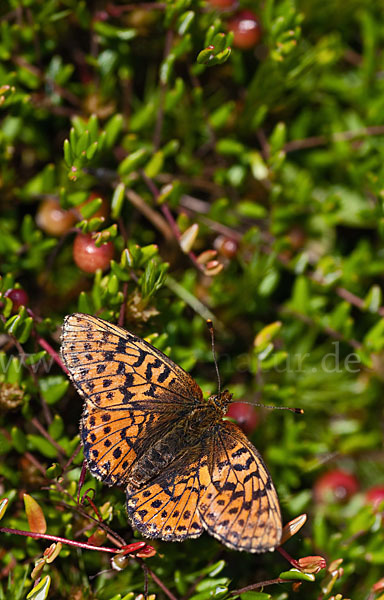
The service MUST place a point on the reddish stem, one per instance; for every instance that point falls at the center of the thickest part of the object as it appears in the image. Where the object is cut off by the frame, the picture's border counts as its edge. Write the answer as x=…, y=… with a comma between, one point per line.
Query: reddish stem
x=55, y=538
x=289, y=558
x=48, y=348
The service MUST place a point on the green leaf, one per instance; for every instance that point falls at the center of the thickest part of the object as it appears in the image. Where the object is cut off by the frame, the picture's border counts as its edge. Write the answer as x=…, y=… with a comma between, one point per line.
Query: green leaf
x=297, y=575
x=117, y=201
x=113, y=129
x=56, y=428
x=89, y=209
x=42, y=445
x=373, y=299
x=40, y=591
x=185, y=22
x=85, y=304
x=53, y=388
x=19, y=440
x=301, y=295
x=267, y=334
x=133, y=161
x=3, y=507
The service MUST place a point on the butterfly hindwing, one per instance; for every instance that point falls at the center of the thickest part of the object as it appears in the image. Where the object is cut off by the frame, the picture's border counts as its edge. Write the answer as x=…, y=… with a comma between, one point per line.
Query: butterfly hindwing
x=221, y=486
x=240, y=505
x=167, y=507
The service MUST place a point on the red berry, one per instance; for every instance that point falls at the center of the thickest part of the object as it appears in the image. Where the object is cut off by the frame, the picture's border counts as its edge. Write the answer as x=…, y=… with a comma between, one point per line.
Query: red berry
x=226, y=246
x=222, y=3
x=53, y=219
x=88, y=256
x=245, y=416
x=335, y=486
x=375, y=495
x=246, y=28
x=18, y=296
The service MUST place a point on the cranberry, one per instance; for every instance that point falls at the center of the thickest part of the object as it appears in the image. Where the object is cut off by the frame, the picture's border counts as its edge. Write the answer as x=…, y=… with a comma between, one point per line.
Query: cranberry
x=335, y=486
x=53, y=219
x=18, y=296
x=226, y=246
x=223, y=4
x=246, y=29
x=88, y=256
x=375, y=495
x=245, y=416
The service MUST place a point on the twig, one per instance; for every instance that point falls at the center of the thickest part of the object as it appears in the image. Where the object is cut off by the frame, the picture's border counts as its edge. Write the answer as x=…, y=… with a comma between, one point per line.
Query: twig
x=171, y=221
x=261, y=584
x=35, y=463
x=152, y=216
x=48, y=348
x=163, y=88
x=341, y=136
x=55, y=538
x=328, y=330
x=62, y=92
x=117, y=11
x=48, y=437
x=161, y=585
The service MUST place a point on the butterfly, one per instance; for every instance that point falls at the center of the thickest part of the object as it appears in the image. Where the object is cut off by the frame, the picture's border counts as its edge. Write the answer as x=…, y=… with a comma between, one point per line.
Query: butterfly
x=147, y=427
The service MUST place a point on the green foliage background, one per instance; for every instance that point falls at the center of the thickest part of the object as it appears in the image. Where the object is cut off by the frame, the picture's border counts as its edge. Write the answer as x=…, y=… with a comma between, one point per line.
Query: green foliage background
x=280, y=149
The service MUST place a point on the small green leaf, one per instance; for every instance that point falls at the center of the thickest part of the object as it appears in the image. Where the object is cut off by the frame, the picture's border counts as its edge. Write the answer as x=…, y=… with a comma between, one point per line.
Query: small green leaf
x=56, y=428
x=133, y=161
x=267, y=334
x=19, y=440
x=278, y=138
x=185, y=22
x=113, y=129
x=255, y=596
x=373, y=299
x=89, y=209
x=53, y=387
x=3, y=507
x=117, y=201
x=40, y=591
x=297, y=575
x=25, y=330
x=54, y=471
x=269, y=283
x=68, y=154
x=155, y=164
x=36, y=442
x=84, y=303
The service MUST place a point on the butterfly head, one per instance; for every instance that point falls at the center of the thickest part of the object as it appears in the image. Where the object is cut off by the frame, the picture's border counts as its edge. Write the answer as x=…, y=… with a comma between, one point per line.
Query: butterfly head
x=222, y=400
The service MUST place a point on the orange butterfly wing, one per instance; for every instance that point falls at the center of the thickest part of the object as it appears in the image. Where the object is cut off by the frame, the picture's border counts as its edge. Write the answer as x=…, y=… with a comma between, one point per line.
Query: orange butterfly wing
x=240, y=505
x=167, y=508
x=133, y=393
x=222, y=486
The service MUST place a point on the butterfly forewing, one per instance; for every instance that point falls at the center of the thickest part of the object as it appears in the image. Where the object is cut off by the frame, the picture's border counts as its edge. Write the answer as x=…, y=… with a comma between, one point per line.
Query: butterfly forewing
x=133, y=393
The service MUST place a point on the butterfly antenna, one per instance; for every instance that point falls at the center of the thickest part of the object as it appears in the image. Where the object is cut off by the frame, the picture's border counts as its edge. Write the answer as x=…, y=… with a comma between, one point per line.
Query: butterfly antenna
x=297, y=411
x=210, y=327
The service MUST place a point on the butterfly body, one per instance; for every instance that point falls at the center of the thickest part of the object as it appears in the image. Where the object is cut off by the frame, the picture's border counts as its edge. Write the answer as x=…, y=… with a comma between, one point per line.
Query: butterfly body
x=146, y=426
x=186, y=433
